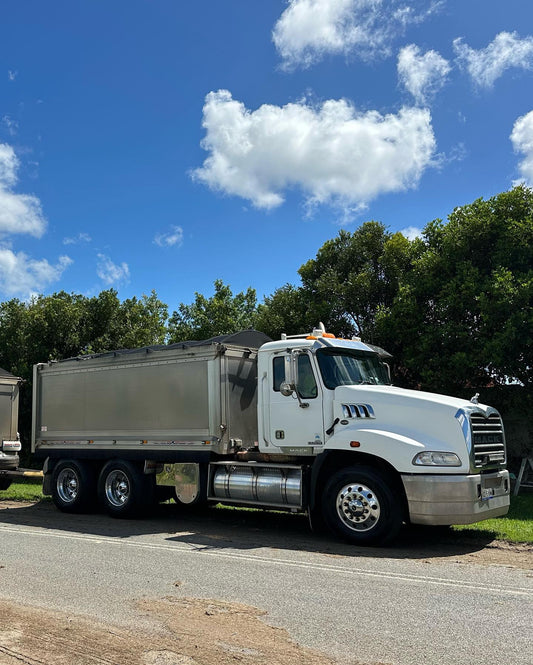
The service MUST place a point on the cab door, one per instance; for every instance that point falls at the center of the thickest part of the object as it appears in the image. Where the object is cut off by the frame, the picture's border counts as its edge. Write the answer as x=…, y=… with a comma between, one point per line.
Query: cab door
x=296, y=425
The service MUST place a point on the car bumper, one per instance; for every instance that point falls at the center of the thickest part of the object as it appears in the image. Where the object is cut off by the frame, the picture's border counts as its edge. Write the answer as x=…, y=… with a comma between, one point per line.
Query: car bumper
x=435, y=500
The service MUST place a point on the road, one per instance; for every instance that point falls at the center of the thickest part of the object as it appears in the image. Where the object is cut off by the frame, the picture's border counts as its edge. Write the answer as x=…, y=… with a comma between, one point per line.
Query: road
x=253, y=587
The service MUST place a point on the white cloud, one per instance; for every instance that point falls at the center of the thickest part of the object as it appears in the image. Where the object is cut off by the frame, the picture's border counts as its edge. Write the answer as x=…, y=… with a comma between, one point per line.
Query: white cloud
x=334, y=153
x=423, y=75
x=19, y=213
x=110, y=272
x=522, y=139
x=488, y=64
x=171, y=238
x=411, y=232
x=309, y=29
x=22, y=276
x=76, y=240
x=10, y=124
x=12, y=74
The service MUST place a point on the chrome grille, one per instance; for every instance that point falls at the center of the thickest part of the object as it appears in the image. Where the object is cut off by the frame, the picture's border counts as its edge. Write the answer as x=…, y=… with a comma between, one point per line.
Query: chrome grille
x=488, y=440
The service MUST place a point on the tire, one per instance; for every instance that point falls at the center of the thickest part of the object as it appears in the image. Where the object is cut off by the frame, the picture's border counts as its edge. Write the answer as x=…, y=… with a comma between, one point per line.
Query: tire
x=124, y=490
x=361, y=505
x=73, y=486
x=5, y=483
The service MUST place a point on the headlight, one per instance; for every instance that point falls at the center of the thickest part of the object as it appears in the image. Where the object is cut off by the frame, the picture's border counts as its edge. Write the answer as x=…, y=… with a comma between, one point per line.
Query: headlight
x=436, y=459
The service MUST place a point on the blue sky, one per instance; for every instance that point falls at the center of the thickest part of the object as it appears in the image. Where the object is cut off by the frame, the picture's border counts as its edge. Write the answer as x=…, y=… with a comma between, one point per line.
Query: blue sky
x=164, y=144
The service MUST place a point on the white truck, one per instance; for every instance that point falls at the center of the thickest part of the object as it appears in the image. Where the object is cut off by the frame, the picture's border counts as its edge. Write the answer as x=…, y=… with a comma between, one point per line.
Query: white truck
x=307, y=423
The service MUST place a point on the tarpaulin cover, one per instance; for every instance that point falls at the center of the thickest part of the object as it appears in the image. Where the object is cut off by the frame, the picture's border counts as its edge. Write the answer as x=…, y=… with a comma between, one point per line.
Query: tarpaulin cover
x=248, y=339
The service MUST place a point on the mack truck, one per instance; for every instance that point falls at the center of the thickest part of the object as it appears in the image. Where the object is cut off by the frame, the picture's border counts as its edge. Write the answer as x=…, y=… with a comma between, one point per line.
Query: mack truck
x=308, y=423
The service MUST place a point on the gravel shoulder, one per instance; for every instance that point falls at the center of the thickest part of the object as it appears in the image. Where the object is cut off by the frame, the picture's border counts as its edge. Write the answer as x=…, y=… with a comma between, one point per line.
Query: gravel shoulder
x=186, y=631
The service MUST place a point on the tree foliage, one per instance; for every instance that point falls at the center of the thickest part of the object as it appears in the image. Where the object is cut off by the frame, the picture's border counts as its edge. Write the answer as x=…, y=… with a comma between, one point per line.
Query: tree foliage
x=223, y=313
x=463, y=314
x=352, y=278
x=287, y=310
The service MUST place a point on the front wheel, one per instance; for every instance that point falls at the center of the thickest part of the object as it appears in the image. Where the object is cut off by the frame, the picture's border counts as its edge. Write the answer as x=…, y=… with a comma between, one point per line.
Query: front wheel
x=124, y=490
x=361, y=505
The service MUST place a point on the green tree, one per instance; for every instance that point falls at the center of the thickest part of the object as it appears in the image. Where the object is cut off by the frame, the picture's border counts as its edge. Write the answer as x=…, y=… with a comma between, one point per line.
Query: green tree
x=139, y=322
x=222, y=313
x=463, y=314
x=353, y=277
x=287, y=310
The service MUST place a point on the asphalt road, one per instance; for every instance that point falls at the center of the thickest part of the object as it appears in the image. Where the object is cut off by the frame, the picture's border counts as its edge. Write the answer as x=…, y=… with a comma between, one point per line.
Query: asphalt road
x=422, y=601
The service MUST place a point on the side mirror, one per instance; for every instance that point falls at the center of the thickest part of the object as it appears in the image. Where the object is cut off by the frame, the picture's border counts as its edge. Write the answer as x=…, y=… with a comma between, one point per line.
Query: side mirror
x=286, y=389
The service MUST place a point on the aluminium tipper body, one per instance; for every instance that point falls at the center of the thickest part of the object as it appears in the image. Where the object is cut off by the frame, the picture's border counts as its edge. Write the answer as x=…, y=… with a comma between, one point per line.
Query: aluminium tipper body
x=157, y=400
x=9, y=403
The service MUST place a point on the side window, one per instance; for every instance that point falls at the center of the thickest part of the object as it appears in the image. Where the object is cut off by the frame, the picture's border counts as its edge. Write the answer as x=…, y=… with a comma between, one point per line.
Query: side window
x=306, y=379
x=278, y=372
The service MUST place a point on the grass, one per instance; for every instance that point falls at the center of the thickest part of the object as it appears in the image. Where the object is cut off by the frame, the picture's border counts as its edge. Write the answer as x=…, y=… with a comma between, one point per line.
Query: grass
x=24, y=489
x=515, y=527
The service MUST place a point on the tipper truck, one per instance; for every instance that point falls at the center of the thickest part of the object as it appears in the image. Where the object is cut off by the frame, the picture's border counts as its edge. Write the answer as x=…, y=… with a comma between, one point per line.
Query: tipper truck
x=308, y=423
x=9, y=438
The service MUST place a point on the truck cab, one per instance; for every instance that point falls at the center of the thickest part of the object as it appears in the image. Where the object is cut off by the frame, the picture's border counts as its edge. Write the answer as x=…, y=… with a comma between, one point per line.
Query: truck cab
x=442, y=457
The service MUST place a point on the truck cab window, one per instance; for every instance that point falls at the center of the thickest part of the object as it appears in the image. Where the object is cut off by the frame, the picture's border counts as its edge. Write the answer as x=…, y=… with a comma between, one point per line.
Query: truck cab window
x=307, y=387
x=278, y=367
x=346, y=368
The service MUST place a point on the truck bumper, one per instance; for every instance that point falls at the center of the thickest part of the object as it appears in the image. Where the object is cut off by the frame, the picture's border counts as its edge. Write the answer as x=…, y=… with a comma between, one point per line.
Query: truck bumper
x=8, y=461
x=451, y=499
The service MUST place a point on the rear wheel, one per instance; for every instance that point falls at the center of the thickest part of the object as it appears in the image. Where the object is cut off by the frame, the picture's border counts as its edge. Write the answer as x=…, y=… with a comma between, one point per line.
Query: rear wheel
x=73, y=486
x=362, y=506
x=124, y=490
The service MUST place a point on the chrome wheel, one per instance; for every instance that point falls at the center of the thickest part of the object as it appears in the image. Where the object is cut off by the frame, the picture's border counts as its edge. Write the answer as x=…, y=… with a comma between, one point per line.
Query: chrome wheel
x=358, y=507
x=117, y=488
x=68, y=485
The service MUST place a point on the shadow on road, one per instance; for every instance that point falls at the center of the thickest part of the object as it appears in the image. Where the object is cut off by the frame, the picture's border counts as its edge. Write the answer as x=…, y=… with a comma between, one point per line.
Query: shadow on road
x=219, y=527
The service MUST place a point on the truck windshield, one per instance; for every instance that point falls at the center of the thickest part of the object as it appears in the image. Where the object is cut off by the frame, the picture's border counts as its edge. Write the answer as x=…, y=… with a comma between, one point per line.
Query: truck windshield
x=351, y=368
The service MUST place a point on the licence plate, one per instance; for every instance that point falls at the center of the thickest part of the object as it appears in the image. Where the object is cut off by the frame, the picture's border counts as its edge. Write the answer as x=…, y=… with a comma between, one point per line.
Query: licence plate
x=487, y=493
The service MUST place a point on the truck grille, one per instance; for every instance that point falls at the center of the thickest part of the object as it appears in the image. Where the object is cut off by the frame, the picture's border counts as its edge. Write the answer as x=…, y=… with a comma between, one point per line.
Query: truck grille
x=488, y=440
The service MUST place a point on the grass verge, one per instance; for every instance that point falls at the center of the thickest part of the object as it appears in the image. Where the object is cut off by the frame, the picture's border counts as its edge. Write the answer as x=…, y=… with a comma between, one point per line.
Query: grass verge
x=515, y=527
x=24, y=489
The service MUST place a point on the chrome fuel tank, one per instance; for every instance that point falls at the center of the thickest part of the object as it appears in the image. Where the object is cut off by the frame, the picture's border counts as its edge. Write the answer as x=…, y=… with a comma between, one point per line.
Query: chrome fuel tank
x=261, y=484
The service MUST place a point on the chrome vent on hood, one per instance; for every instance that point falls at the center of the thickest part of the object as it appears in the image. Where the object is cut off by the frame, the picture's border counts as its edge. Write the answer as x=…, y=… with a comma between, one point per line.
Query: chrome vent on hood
x=358, y=411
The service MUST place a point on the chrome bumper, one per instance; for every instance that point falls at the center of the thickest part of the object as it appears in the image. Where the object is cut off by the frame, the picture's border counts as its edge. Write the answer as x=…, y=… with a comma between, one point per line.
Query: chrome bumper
x=9, y=461
x=451, y=499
